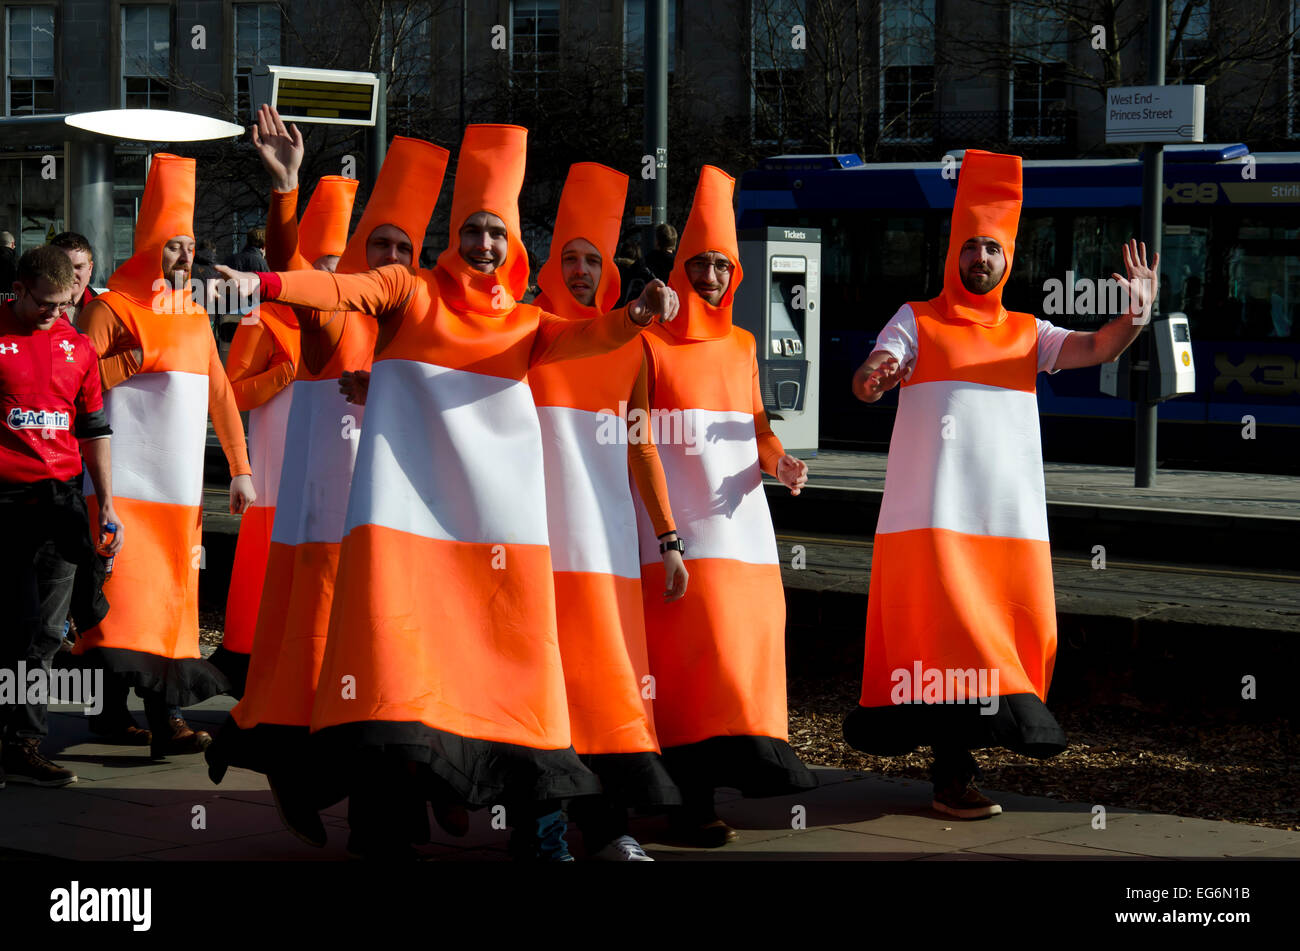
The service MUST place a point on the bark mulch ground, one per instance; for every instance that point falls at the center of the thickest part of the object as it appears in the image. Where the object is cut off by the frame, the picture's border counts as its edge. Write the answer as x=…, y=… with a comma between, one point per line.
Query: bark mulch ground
x=1128, y=753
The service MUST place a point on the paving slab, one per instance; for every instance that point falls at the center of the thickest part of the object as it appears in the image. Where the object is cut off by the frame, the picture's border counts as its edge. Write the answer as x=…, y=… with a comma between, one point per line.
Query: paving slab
x=67, y=841
x=1033, y=847
x=175, y=823
x=810, y=844
x=1175, y=836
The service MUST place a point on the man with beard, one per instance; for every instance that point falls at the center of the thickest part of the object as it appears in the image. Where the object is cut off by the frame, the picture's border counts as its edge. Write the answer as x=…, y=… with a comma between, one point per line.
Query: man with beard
x=961, y=615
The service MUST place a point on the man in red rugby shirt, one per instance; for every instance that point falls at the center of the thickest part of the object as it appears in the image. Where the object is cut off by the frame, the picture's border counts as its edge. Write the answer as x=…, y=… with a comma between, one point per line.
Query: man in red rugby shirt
x=51, y=413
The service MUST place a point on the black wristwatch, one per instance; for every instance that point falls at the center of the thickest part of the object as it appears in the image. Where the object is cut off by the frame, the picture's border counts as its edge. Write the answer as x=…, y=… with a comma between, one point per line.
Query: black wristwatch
x=675, y=545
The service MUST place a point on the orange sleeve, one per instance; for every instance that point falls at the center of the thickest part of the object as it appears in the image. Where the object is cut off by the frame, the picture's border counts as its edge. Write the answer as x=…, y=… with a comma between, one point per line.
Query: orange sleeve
x=282, y=232
x=380, y=293
x=561, y=339
x=643, y=459
x=257, y=366
x=112, y=341
x=225, y=415
x=770, y=449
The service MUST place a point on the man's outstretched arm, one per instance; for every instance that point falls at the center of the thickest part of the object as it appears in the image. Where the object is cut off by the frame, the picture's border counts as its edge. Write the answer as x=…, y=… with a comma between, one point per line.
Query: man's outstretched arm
x=1084, y=349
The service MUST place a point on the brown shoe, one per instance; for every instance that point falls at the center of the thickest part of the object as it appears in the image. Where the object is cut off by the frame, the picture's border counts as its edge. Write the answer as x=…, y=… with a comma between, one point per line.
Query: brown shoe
x=707, y=835
x=963, y=800
x=127, y=736
x=182, y=740
x=24, y=764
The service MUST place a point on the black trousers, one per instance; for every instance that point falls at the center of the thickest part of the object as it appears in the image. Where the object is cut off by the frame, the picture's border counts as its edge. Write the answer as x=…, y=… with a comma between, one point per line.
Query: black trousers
x=952, y=764
x=36, y=584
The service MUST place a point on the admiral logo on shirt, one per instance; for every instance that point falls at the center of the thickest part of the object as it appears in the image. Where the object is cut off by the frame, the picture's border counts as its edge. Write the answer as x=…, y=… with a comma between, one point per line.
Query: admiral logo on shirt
x=20, y=419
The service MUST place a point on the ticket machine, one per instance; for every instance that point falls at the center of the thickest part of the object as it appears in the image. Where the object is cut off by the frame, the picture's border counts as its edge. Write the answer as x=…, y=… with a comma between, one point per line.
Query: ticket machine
x=1174, y=373
x=779, y=302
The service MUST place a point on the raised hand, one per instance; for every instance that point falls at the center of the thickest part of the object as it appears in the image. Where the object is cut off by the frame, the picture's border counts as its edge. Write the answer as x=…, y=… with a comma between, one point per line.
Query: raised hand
x=1142, y=283
x=280, y=148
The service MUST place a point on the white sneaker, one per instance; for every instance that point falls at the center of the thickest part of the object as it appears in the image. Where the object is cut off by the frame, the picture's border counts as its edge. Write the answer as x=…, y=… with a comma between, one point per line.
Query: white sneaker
x=623, y=849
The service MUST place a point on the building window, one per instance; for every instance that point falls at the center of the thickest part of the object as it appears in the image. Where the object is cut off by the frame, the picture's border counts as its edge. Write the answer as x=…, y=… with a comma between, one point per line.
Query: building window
x=407, y=37
x=535, y=45
x=1039, y=57
x=776, y=70
x=257, y=43
x=907, y=70
x=634, y=49
x=1188, y=46
x=146, y=56
x=30, y=70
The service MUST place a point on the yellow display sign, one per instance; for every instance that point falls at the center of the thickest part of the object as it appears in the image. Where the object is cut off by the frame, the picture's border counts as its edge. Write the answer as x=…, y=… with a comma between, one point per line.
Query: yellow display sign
x=327, y=96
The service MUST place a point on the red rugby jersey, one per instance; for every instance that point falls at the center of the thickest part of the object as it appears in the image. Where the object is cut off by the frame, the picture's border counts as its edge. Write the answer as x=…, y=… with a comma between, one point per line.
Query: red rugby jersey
x=49, y=380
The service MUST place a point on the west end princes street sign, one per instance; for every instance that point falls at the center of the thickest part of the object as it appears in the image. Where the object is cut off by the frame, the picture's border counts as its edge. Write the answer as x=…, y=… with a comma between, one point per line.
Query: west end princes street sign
x=1155, y=114
x=327, y=96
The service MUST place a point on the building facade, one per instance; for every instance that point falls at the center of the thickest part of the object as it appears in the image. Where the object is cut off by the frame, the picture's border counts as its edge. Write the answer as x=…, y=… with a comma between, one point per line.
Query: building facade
x=889, y=80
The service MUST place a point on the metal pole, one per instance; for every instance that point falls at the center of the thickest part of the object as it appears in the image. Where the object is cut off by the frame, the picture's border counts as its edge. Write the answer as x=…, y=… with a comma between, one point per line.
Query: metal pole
x=379, y=132
x=656, y=114
x=1153, y=191
x=88, y=199
x=464, y=57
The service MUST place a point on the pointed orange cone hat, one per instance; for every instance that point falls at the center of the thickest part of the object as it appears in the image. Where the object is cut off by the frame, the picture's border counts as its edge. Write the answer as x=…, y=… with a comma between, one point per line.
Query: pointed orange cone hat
x=166, y=210
x=711, y=226
x=489, y=174
x=987, y=205
x=324, y=226
x=404, y=196
x=591, y=207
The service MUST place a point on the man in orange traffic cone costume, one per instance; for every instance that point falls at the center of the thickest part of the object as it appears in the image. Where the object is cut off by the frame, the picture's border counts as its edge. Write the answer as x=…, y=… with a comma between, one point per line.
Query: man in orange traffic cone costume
x=150, y=639
x=718, y=655
x=268, y=729
x=263, y=363
x=961, y=616
x=586, y=408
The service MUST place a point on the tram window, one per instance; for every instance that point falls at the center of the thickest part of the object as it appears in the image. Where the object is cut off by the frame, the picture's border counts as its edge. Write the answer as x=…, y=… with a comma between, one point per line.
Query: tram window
x=1033, y=264
x=1263, y=281
x=894, y=265
x=1097, y=253
x=1183, y=264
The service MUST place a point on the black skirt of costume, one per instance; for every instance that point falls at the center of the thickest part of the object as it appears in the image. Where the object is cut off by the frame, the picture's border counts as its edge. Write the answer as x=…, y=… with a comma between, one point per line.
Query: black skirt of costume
x=1021, y=723
x=758, y=766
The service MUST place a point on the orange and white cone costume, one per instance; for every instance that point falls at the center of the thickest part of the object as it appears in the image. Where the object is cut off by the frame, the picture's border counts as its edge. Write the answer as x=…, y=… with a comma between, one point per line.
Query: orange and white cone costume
x=961, y=616
x=262, y=365
x=442, y=646
x=718, y=654
x=269, y=726
x=262, y=360
x=582, y=406
x=150, y=637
